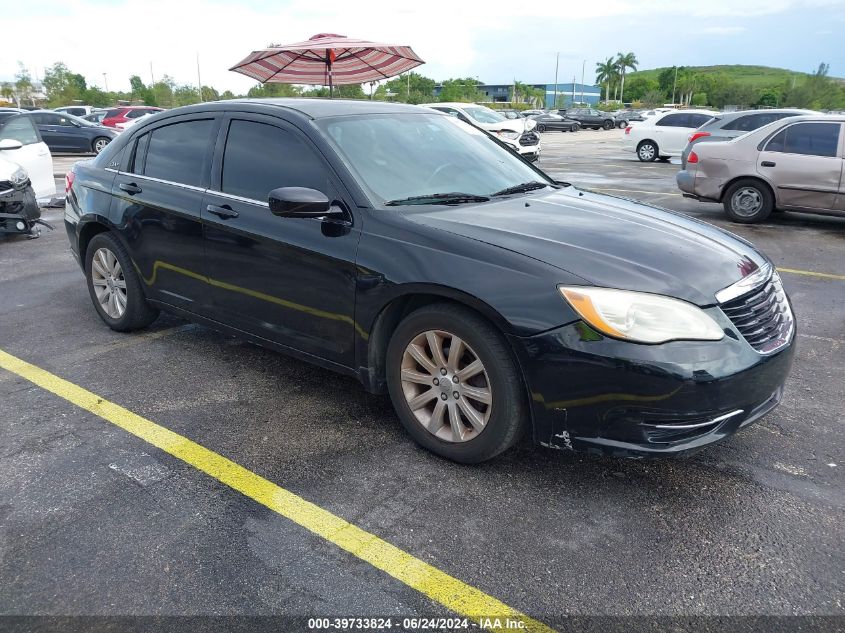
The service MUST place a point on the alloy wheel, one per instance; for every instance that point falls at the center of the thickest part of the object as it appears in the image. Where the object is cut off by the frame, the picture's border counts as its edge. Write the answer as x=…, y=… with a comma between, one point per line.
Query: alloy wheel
x=100, y=145
x=646, y=152
x=746, y=202
x=109, y=283
x=446, y=386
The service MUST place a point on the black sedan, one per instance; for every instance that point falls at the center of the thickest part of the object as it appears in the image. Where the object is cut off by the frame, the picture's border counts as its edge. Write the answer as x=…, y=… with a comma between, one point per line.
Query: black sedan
x=555, y=122
x=67, y=133
x=414, y=252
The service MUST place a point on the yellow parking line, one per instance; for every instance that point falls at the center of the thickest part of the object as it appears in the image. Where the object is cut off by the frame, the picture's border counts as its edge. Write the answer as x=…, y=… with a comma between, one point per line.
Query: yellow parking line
x=810, y=273
x=415, y=573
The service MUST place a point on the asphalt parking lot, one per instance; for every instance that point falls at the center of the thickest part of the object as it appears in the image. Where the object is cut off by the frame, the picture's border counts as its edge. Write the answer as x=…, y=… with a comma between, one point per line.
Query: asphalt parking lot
x=97, y=521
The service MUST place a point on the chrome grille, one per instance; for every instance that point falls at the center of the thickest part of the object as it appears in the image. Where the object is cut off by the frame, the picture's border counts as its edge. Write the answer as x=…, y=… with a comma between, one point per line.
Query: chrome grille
x=762, y=316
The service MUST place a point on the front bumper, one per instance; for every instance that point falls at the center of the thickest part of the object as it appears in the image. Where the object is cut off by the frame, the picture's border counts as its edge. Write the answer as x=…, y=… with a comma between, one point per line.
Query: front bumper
x=18, y=208
x=596, y=394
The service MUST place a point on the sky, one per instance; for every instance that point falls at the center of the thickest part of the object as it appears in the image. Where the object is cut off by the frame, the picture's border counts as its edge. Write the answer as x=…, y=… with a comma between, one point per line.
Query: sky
x=492, y=40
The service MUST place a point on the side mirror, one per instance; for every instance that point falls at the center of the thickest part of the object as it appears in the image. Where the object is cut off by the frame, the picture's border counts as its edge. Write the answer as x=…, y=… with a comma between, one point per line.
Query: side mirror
x=298, y=202
x=10, y=143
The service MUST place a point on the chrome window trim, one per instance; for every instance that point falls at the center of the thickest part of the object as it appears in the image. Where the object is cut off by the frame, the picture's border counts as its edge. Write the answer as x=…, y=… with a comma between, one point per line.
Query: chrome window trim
x=232, y=196
x=165, y=182
x=746, y=284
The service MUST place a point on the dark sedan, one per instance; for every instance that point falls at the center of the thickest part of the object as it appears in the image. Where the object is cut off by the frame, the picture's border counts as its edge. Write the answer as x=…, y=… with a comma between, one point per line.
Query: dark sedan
x=414, y=252
x=555, y=122
x=68, y=133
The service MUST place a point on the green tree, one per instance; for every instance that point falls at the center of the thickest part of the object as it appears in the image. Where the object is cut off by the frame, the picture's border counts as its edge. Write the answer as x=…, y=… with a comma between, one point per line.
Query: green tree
x=605, y=72
x=770, y=97
x=465, y=90
x=210, y=94
x=408, y=88
x=23, y=85
x=624, y=61
x=653, y=98
x=816, y=92
x=227, y=94
x=7, y=90
x=637, y=86
x=273, y=90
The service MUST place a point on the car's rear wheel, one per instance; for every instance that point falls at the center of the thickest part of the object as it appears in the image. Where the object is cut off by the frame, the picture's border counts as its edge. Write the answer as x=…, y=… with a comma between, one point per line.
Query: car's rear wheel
x=747, y=201
x=621, y=124
x=454, y=384
x=608, y=124
x=99, y=144
x=647, y=151
x=115, y=286
x=541, y=128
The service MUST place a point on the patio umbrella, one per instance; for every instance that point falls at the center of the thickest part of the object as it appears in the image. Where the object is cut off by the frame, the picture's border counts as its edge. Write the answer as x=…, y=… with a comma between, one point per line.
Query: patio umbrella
x=328, y=59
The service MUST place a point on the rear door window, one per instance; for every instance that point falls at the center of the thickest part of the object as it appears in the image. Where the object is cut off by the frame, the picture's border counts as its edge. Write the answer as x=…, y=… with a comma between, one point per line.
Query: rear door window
x=811, y=139
x=677, y=119
x=179, y=152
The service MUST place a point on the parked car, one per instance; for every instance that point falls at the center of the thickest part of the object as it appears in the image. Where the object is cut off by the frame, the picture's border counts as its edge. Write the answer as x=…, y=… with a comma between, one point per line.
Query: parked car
x=624, y=117
x=68, y=133
x=96, y=117
x=414, y=252
x=664, y=135
x=517, y=133
x=77, y=110
x=127, y=113
x=590, y=118
x=510, y=114
x=794, y=164
x=528, y=113
x=125, y=124
x=21, y=143
x=555, y=122
x=724, y=127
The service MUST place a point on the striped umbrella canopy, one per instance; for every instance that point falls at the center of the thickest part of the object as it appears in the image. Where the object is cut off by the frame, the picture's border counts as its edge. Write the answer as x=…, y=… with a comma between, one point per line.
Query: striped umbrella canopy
x=327, y=59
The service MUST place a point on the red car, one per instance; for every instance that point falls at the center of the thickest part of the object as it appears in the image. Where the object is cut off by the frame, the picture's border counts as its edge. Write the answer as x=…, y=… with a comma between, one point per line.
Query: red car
x=127, y=113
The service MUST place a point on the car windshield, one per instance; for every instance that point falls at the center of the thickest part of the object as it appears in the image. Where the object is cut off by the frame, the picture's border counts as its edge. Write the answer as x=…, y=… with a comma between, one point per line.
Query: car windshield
x=484, y=115
x=399, y=156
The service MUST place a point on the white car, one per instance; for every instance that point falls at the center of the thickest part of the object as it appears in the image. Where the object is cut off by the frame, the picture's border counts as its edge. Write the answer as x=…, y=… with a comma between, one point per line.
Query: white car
x=20, y=143
x=78, y=110
x=515, y=132
x=664, y=135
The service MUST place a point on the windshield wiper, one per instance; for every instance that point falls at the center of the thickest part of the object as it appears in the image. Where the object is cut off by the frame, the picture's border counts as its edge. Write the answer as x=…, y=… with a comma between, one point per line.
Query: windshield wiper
x=522, y=188
x=454, y=197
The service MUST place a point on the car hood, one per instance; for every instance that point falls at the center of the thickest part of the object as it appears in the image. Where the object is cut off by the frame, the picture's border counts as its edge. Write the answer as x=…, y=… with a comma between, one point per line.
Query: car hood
x=7, y=168
x=607, y=241
x=515, y=125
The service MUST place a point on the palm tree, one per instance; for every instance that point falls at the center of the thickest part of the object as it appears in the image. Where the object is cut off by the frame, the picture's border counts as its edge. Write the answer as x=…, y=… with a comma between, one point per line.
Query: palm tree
x=624, y=62
x=604, y=75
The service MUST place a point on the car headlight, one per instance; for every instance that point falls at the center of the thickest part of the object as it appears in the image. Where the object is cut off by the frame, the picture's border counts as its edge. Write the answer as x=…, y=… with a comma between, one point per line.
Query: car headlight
x=19, y=176
x=641, y=317
x=508, y=134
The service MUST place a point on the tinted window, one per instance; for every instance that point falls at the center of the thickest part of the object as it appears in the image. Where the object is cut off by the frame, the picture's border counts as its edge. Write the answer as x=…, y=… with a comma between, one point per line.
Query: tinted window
x=697, y=120
x=21, y=129
x=114, y=113
x=679, y=119
x=177, y=152
x=134, y=114
x=261, y=157
x=751, y=122
x=813, y=139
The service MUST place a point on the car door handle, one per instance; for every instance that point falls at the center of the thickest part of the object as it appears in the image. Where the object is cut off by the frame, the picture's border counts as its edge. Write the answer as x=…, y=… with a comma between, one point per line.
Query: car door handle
x=225, y=212
x=767, y=163
x=130, y=187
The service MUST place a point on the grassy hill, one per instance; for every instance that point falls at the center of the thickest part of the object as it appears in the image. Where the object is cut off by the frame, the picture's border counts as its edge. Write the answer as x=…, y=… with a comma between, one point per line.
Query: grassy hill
x=753, y=76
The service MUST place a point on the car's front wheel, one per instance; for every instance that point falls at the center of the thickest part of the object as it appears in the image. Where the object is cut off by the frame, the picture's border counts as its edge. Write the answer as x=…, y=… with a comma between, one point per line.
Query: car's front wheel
x=541, y=128
x=647, y=151
x=115, y=286
x=608, y=125
x=574, y=127
x=454, y=384
x=747, y=201
x=99, y=144
x=621, y=124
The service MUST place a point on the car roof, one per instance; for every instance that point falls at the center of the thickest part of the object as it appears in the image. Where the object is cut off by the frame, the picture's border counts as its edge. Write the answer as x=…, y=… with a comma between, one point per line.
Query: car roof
x=317, y=108
x=451, y=104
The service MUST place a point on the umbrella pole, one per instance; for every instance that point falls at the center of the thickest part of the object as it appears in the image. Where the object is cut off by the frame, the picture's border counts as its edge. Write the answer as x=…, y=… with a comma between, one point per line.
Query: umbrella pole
x=331, y=85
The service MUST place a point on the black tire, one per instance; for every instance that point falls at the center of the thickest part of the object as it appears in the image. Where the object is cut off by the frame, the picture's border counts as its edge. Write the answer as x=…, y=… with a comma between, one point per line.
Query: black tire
x=509, y=415
x=664, y=159
x=608, y=124
x=574, y=127
x=621, y=124
x=99, y=144
x=138, y=312
x=747, y=201
x=647, y=151
x=541, y=128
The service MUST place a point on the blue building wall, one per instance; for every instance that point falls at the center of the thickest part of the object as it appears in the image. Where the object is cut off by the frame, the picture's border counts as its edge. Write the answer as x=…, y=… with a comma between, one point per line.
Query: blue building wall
x=501, y=92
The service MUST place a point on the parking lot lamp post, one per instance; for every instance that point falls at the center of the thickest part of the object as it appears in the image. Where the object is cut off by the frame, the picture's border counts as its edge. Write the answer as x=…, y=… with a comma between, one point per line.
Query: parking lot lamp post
x=106, y=81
